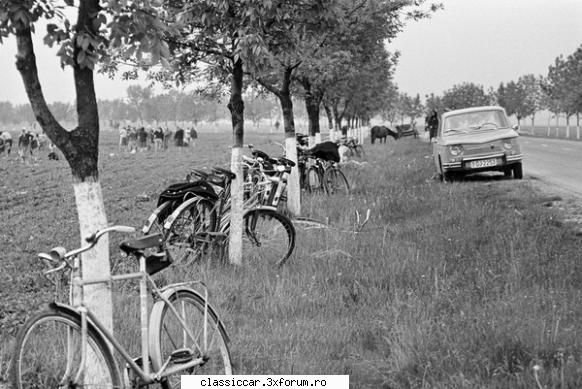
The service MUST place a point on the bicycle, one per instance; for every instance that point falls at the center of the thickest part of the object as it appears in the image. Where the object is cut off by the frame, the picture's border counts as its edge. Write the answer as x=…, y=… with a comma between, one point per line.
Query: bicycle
x=266, y=177
x=268, y=235
x=356, y=149
x=318, y=175
x=66, y=345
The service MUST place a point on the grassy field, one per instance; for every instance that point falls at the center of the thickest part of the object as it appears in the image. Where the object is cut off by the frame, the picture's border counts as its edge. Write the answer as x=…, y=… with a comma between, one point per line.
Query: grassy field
x=462, y=285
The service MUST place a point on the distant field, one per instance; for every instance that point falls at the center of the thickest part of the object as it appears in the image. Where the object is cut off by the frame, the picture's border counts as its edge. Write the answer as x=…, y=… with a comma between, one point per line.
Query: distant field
x=462, y=285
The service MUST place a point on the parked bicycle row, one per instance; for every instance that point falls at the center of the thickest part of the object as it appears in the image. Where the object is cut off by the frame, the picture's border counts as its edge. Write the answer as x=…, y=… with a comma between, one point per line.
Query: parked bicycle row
x=66, y=345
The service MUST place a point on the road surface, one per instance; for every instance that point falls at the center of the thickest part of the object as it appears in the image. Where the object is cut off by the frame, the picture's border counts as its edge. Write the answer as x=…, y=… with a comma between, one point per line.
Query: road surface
x=554, y=161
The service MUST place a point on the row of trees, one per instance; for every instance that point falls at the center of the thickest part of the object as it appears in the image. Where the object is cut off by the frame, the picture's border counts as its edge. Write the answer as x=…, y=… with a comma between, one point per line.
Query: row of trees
x=328, y=52
x=143, y=105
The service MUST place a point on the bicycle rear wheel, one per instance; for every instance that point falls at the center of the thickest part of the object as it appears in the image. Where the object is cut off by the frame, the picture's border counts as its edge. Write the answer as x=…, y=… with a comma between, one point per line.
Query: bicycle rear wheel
x=168, y=337
x=335, y=181
x=314, y=181
x=48, y=354
x=268, y=237
x=180, y=237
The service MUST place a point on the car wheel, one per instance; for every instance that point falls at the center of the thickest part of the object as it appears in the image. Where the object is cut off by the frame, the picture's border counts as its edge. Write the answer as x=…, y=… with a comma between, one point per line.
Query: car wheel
x=518, y=171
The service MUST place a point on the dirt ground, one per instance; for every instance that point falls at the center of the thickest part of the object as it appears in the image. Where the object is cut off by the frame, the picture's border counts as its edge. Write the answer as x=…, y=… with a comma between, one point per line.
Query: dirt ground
x=568, y=203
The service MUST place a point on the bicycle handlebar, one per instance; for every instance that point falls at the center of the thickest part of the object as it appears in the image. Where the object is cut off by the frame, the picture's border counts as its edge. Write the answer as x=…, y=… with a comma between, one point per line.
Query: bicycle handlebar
x=59, y=254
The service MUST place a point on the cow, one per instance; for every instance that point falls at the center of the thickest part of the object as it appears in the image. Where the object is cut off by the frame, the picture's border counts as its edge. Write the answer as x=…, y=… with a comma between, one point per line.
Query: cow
x=381, y=133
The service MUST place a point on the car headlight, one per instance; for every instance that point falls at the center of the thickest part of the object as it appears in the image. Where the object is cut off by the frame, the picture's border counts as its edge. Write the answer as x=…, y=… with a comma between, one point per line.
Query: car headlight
x=507, y=145
x=456, y=150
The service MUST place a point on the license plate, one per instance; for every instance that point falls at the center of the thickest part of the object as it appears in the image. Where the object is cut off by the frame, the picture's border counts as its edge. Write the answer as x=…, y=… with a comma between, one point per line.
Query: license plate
x=482, y=163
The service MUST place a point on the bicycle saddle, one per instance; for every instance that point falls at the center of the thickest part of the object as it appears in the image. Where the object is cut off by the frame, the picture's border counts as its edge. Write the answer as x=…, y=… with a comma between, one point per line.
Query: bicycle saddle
x=224, y=172
x=154, y=262
x=286, y=161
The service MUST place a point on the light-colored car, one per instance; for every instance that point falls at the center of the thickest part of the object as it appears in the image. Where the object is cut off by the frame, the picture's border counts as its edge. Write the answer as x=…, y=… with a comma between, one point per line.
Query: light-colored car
x=474, y=140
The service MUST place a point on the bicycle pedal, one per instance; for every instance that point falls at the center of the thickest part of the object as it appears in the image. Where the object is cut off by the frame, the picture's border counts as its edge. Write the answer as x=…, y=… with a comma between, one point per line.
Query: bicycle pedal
x=182, y=355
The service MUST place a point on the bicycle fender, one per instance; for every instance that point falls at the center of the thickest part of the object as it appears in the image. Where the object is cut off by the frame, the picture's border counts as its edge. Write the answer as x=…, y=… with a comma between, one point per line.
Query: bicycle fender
x=159, y=306
x=265, y=207
x=153, y=217
x=91, y=327
x=71, y=311
x=168, y=222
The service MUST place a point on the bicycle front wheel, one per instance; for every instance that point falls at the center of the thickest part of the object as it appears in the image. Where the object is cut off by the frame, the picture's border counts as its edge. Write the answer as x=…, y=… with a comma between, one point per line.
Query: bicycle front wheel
x=180, y=238
x=201, y=337
x=48, y=355
x=268, y=237
x=335, y=181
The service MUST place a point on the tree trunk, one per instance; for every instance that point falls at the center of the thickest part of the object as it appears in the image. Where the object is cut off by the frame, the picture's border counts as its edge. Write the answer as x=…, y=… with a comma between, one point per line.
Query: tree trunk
x=80, y=148
x=312, y=103
x=577, y=125
x=533, y=116
x=236, y=107
x=293, y=190
x=329, y=116
x=336, y=116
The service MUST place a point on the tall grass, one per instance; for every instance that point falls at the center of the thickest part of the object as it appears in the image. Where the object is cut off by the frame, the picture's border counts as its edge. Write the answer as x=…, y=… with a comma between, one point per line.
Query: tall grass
x=462, y=285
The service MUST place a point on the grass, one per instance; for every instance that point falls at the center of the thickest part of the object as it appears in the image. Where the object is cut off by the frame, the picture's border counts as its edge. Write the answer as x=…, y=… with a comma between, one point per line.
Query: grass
x=462, y=285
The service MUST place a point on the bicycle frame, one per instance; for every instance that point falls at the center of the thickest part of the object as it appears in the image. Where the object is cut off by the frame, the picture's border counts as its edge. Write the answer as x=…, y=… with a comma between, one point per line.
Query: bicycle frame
x=143, y=372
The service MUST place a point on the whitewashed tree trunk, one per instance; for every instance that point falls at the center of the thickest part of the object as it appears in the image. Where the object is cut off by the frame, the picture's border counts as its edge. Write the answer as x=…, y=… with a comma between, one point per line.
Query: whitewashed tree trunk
x=311, y=141
x=317, y=138
x=335, y=135
x=235, y=253
x=293, y=189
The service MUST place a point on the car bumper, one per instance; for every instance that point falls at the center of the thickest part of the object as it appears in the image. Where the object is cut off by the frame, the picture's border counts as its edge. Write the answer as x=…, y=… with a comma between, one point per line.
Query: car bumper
x=476, y=163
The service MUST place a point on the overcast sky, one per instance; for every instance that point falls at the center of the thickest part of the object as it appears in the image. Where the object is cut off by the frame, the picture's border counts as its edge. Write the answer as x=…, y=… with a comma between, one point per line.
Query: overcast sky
x=480, y=41
x=486, y=42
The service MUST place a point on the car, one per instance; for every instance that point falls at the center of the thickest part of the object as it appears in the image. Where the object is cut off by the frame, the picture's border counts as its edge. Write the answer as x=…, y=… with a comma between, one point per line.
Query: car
x=477, y=139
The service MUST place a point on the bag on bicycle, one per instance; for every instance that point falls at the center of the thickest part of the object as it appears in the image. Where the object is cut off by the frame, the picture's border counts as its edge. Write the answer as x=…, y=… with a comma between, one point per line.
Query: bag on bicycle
x=326, y=150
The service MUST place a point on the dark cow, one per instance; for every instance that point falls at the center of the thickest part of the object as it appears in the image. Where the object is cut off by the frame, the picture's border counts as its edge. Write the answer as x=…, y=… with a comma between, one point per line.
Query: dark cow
x=381, y=132
x=406, y=130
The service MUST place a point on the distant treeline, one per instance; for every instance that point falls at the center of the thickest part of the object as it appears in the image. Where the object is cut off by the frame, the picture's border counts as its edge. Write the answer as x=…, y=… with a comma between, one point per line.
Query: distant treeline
x=143, y=106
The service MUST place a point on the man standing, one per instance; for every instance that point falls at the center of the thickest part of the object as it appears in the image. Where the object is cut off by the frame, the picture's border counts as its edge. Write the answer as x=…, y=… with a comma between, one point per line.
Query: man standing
x=433, y=124
x=24, y=143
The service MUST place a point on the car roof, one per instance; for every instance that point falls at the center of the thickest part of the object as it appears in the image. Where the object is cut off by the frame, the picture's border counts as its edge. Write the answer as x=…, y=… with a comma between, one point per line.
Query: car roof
x=474, y=109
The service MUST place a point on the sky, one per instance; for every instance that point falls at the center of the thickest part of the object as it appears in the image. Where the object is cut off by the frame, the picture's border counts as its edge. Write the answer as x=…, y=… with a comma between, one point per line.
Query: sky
x=485, y=42
x=481, y=41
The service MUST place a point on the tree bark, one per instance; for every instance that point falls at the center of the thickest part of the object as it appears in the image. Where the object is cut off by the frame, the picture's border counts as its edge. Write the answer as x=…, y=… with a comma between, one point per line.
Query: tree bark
x=236, y=107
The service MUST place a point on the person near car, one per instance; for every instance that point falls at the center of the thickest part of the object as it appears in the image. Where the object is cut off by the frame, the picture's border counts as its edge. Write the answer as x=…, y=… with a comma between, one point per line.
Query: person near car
x=433, y=124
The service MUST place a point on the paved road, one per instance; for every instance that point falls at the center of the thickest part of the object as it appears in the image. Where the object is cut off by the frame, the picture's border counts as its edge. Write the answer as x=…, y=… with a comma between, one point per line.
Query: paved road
x=557, y=162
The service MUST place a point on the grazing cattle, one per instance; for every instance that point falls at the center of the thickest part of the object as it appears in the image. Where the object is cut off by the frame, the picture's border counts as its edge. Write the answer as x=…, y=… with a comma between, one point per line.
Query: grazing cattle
x=381, y=133
x=406, y=130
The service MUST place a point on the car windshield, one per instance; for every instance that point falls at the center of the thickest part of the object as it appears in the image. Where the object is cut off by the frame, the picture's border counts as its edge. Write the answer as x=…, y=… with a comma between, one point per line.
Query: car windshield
x=465, y=123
